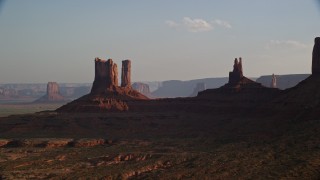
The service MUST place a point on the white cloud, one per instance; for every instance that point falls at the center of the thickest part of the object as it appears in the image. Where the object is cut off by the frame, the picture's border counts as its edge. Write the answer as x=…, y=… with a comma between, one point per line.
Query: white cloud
x=222, y=23
x=198, y=25
x=286, y=44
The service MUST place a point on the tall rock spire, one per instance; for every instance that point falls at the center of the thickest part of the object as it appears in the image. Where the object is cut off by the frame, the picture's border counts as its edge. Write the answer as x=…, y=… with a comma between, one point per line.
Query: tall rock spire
x=126, y=73
x=316, y=56
x=273, y=81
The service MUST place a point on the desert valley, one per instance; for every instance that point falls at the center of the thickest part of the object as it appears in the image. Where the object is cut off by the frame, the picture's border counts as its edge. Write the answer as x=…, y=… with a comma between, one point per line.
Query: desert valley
x=192, y=89
x=240, y=130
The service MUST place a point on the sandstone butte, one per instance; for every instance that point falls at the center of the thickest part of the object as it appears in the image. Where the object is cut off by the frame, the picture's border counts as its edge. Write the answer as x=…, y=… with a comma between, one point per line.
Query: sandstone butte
x=52, y=95
x=106, y=94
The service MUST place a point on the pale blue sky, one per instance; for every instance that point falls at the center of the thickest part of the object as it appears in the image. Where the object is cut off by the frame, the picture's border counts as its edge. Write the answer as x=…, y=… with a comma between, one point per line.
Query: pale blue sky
x=42, y=40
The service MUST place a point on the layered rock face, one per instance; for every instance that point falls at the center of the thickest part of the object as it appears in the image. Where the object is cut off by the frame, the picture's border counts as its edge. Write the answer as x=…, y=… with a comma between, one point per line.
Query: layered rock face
x=126, y=74
x=237, y=73
x=141, y=88
x=106, y=76
x=316, y=56
x=273, y=81
x=53, y=94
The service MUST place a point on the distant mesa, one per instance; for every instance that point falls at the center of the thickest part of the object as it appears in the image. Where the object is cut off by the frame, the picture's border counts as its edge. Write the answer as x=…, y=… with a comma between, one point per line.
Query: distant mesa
x=8, y=93
x=106, y=94
x=201, y=86
x=282, y=81
x=52, y=95
x=142, y=88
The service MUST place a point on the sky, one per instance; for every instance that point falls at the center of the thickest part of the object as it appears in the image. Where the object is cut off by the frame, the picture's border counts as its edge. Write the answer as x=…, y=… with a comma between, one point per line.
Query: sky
x=42, y=40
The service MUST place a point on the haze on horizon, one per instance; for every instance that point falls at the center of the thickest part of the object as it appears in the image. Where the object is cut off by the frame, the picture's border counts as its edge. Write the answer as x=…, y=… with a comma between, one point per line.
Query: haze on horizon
x=58, y=40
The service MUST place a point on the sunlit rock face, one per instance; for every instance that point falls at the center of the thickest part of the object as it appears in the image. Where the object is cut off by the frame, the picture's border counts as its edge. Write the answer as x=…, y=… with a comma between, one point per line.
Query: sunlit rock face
x=106, y=76
x=106, y=95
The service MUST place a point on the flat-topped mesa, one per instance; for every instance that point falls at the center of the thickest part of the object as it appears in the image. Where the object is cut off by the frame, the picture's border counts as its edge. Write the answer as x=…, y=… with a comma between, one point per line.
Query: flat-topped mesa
x=316, y=56
x=106, y=76
x=141, y=88
x=126, y=74
x=237, y=73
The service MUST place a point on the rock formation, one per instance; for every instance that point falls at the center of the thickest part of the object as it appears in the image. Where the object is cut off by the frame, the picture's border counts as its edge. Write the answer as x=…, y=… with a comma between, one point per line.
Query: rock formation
x=106, y=95
x=238, y=83
x=199, y=87
x=106, y=76
x=126, y=73
x=316, y=56
x=273, y=81
x=141, y=88
x=237, y=73
x=53, y=94
x=52, y=89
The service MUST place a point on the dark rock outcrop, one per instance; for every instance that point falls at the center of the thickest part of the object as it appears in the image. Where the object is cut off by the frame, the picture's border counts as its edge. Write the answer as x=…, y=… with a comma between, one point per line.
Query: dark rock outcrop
x=316, y=56
x=106, y=76
x=126, y=74
x=239, y=91
x=303, y=100
x=237, y=80
x=237, y=73
x=52, y=95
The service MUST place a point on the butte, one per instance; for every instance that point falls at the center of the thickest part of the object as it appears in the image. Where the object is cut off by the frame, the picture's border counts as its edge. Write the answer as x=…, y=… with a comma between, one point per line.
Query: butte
x=106, y=95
